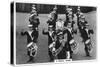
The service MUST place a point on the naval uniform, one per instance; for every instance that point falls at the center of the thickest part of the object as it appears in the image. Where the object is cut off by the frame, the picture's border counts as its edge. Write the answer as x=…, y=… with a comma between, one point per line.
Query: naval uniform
x=85, y=36
x=50, y=40
x=35, y=23
x=67, y=47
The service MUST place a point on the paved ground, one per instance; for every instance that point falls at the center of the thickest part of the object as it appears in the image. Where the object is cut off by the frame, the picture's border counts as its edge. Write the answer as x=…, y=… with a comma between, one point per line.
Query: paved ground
x=42, y=55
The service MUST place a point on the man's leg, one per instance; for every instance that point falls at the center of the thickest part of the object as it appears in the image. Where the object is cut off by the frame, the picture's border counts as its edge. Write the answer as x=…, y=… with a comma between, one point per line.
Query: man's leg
x=87, y=50
x=50, y=55
x=36, y=36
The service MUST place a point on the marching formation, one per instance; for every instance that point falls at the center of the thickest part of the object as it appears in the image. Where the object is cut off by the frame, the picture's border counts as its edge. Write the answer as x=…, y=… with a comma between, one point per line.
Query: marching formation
x=61, y=42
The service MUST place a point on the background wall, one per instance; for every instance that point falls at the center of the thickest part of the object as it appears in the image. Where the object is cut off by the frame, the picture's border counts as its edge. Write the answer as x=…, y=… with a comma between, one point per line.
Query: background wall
x=47, y=8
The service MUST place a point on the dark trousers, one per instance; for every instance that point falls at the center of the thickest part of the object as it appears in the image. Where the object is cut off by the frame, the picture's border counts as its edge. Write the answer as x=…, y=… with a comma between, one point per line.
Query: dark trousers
x=87, y=49
x=50, y=55
x=36, y=36
x=62, y=54
x=68, y=48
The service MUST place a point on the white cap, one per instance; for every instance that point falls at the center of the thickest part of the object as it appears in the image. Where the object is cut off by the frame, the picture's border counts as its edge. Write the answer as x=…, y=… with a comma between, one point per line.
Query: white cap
x=50, y=26
x=82, y=16
x=33, y=8
x=30, y=25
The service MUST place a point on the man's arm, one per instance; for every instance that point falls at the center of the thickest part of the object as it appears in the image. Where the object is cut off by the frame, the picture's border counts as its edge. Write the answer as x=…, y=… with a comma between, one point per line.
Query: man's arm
x=91, y=32
x=24, y=33
x=48, y=22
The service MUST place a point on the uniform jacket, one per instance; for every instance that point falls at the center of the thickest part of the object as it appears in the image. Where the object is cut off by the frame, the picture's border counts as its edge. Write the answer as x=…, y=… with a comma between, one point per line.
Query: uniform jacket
x=50, y=36
x=30, y=36
x=69, y=37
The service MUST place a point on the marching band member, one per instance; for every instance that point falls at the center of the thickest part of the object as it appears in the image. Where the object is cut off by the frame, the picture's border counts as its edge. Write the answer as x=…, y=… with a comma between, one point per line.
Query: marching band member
x=85, y=34
x=51, y=40
x=69, y=38
x=60, y=52
x=31, y=44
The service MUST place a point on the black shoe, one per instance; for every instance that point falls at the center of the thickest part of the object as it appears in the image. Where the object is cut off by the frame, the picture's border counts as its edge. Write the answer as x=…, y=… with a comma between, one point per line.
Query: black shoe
x=71, y=52
x=51, y=60
x=88, y=55
x=31, y=59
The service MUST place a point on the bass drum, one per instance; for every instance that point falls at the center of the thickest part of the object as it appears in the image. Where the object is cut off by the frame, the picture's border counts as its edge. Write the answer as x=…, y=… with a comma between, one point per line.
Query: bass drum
x=89, y=45
x=32, y=48
x=74, y=46
x=75, y=50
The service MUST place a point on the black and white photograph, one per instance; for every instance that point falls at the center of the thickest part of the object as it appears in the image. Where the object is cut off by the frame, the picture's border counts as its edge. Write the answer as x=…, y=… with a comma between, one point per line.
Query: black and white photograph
x=51, y=33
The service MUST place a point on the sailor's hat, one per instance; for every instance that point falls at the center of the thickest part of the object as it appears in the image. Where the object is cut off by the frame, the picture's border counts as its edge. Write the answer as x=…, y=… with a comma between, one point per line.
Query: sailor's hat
x=30, y=25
